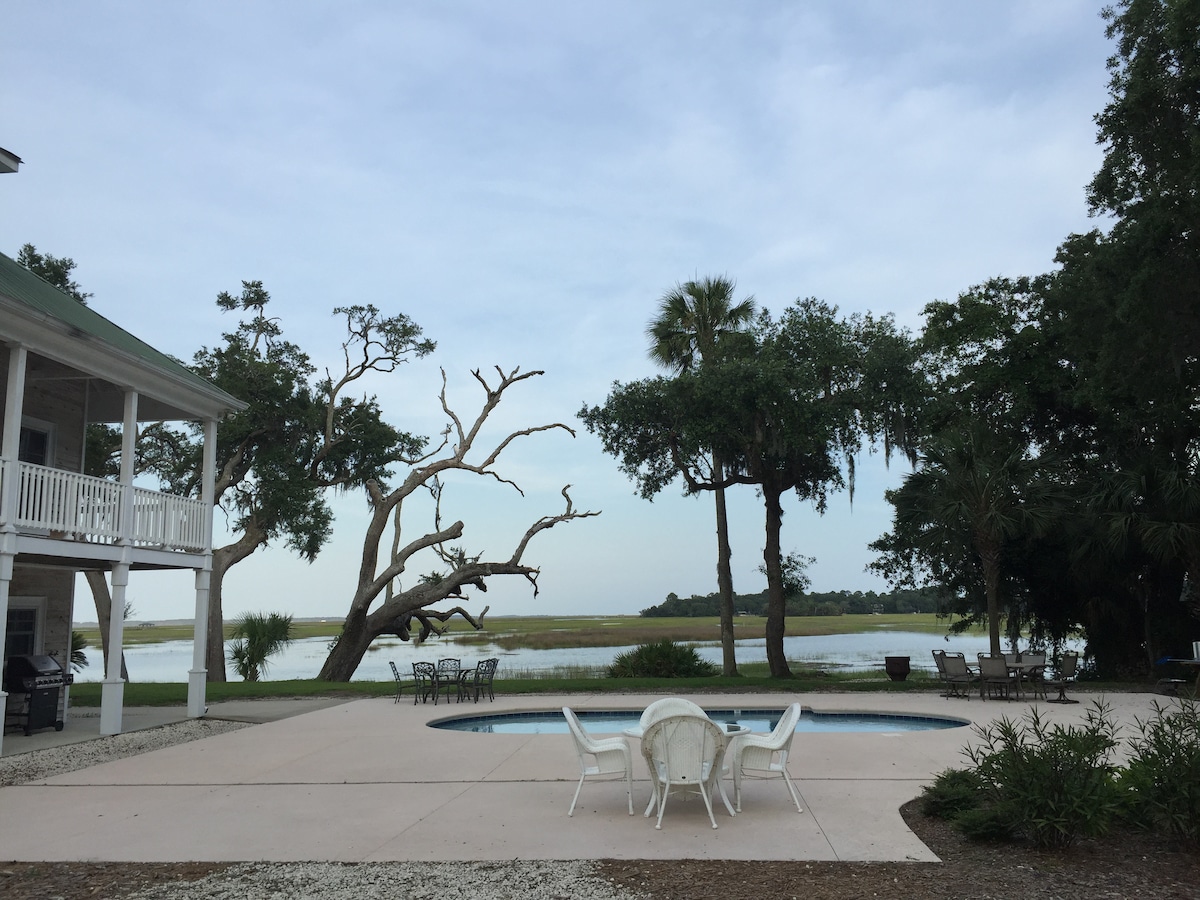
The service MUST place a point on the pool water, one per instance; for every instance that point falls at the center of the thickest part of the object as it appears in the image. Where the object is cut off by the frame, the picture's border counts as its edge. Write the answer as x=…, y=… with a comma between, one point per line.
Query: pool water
x=761, y=720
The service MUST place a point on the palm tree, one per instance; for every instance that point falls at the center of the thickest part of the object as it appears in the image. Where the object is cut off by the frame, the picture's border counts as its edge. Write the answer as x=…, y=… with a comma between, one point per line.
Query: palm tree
x=693, y=326
x=258, y=637
x=974, y=490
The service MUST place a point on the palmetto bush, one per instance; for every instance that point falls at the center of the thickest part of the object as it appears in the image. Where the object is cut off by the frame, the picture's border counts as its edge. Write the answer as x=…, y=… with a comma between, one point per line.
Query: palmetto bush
x=661, y=659
x=256, y=638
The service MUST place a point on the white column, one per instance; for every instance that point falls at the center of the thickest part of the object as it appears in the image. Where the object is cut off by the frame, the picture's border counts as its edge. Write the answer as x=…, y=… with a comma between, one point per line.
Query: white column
x=112, y=693
x=10, y=446
x=6, y=574
x=198, y=675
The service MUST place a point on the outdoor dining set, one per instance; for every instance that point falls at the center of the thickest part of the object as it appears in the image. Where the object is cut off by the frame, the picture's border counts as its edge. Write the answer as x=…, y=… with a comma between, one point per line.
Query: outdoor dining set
x=1005, y=675
x=686, y=751
x=448, y=677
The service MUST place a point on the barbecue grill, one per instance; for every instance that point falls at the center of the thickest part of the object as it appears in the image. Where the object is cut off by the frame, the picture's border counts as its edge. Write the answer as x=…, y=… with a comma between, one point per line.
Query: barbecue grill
x=33, y=684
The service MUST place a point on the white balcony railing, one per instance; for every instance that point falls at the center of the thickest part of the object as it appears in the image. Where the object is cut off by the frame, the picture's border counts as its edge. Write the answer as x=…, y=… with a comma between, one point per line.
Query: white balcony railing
x=89, y=509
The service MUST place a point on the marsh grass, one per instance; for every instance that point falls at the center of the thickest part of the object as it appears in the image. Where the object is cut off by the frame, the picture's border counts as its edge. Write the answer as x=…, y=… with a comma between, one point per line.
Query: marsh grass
x=558, y=632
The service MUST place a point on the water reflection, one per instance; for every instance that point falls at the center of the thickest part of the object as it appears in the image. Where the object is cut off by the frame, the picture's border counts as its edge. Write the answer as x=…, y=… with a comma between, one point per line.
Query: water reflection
x=170, y=660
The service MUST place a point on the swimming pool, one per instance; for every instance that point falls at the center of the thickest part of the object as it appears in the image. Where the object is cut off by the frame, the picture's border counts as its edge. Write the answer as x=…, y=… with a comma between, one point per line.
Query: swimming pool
x=760, y=720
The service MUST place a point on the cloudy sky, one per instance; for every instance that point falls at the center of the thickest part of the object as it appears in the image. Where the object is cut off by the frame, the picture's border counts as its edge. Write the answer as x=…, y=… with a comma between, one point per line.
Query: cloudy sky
x=525, y=180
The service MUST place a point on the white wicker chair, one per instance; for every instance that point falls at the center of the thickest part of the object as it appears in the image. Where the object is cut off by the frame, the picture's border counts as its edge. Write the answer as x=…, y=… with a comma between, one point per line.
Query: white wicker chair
x=683, y=752
x=765, y=756
x=609, y=756
x=668, y=706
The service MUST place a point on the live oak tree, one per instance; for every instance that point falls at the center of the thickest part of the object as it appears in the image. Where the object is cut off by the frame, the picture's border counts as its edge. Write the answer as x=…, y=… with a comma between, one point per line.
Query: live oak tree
x=377, y=607
x=1098, y=362
x=301, y=436
x=784, y=418
x=1125, y=308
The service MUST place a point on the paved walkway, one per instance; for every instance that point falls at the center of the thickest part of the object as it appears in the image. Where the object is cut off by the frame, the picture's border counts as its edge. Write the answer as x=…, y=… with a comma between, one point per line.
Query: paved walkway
x=366, y=780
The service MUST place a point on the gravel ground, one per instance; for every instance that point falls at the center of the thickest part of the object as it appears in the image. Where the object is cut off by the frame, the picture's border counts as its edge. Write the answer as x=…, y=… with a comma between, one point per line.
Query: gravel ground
x=1121, y=866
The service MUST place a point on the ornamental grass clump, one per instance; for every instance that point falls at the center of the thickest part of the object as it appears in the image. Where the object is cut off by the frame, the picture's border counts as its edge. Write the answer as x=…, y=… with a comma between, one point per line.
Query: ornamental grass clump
x=1161, y=781
x=1050, y=783
x=661, y=659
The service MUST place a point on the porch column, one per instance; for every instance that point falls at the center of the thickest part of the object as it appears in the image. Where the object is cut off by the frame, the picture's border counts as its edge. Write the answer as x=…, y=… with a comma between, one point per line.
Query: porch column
x=10, y=448
x=198, y=675
x=112, y=693
x=6, y=574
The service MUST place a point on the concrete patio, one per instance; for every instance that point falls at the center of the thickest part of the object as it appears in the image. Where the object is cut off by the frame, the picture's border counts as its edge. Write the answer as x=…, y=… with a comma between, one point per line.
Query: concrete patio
x=367, y=780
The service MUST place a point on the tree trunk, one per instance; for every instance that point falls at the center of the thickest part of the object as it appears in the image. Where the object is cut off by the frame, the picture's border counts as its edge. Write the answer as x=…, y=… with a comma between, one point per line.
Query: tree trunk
x=224, y=558
x=990, y=558
x=352, y=644
x=103, y=598
x=724, y=576
x=776, y=601
x=214, y=653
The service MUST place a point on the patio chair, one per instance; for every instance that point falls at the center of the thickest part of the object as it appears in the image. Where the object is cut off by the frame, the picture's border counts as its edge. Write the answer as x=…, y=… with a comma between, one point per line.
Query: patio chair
x=939, y=660
x=959, y=678
x=424, y=681
x=668, y=706
x=1035, y=674
x=765, y=756
x=608, y=756
x=683, y=752
x=399, y=682
x=448, y=673
x=474, y=682
x=995, y=677
x=1068, y=665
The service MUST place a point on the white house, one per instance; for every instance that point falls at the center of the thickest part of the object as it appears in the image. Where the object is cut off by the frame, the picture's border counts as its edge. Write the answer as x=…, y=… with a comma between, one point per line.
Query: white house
x=64, y=366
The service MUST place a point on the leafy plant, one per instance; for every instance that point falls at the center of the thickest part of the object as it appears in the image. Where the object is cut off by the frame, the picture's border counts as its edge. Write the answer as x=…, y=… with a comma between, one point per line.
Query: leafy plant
x=1053, y=783
x=78, y=658
x=1161, y=781
x=993, y=822
x=952, y=793
x=257, y=637
x=661, y=659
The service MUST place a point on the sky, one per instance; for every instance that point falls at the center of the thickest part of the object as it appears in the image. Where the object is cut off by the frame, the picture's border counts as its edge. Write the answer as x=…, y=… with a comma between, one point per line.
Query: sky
x=525, y=180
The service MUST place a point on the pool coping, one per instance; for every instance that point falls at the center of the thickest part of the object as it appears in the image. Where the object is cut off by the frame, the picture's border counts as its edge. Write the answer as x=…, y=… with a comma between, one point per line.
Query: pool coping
x=719, y=712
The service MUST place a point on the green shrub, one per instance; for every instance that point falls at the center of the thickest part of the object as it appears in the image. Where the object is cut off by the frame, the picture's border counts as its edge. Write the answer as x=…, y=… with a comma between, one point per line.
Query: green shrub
x=994, y=822
x=1053, y=783
x=661, y=659
x=1161, y=781
x=953, y=792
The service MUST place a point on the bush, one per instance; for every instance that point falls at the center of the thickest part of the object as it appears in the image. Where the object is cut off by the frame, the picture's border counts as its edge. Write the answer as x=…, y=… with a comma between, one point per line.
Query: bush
x=1051, y=783
x=952, y=793
x=1161, y=781
x=994, y=822
x=662, y=659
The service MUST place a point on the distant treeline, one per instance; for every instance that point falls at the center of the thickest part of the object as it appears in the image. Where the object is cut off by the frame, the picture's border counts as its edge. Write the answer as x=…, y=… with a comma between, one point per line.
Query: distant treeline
x=923, y=600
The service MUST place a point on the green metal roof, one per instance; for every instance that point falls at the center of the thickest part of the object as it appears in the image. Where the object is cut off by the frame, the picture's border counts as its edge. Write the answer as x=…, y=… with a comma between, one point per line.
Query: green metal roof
x=35, y=292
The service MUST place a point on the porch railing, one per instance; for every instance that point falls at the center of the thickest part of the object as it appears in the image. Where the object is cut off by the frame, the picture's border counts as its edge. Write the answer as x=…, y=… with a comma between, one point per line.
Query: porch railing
x=90, y=509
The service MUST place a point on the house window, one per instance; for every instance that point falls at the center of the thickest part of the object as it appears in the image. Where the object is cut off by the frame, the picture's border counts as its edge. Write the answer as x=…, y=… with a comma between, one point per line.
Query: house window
x=35, y=446
x=22, y=636
x=36, y=443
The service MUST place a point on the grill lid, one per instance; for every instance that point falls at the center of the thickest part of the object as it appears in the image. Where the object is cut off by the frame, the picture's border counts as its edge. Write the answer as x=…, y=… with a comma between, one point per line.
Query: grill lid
x=30, y=666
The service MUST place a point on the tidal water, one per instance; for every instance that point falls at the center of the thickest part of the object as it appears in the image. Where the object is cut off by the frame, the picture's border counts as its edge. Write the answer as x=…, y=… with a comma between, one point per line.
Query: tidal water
x=170, y=660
